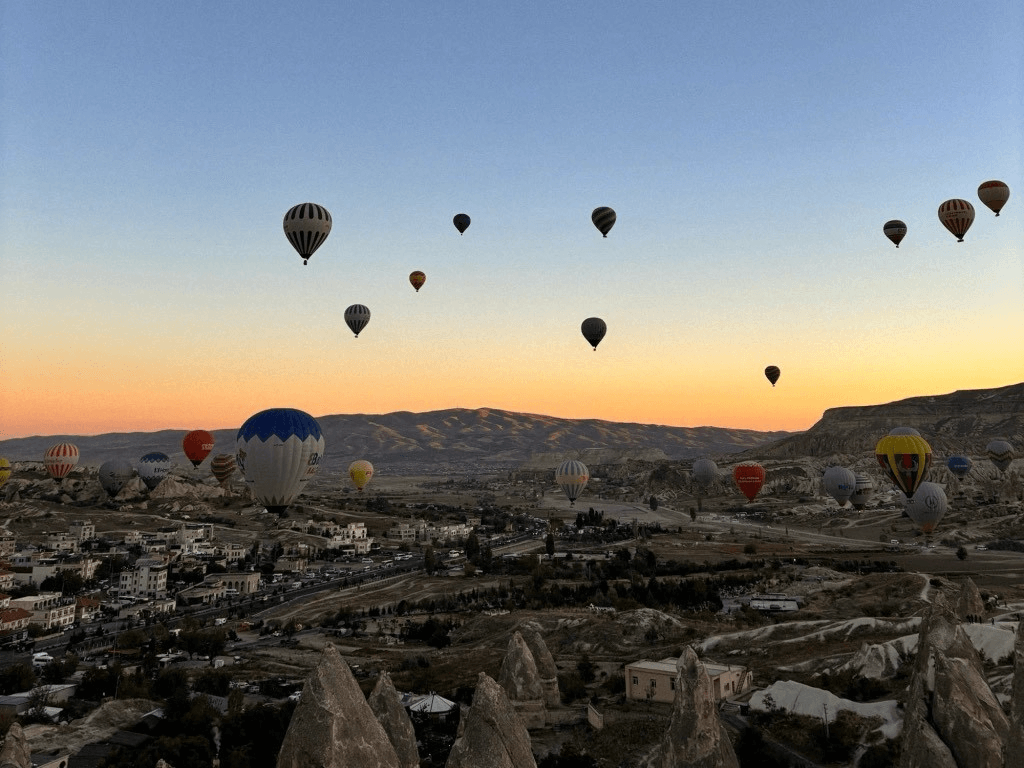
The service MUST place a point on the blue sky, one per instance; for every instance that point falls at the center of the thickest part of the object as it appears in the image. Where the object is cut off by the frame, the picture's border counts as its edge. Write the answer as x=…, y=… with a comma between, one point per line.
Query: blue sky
x=752, y=152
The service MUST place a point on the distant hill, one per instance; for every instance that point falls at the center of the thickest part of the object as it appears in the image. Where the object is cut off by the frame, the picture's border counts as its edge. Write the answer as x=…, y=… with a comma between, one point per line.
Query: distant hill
x=453, y=440
x=960, y=422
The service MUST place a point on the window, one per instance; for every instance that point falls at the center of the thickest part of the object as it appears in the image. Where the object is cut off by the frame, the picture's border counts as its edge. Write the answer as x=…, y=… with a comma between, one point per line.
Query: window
x=654, y=683
x=635, y=680
x=673, y=684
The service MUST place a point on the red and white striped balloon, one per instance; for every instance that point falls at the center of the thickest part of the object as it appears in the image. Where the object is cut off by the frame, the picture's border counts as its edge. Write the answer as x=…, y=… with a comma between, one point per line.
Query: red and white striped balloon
x=957, y=216
x=60, y=459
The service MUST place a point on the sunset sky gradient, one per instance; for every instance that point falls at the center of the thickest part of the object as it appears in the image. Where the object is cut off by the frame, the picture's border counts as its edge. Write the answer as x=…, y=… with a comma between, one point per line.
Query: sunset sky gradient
x=752, y=152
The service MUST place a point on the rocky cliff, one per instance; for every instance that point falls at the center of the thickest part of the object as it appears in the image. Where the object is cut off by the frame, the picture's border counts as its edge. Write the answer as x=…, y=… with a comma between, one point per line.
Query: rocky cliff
x=521, y=681
x=546, y=669
x=1015, y=739
x=492, y=733
x=15, y=752
x=387, y=707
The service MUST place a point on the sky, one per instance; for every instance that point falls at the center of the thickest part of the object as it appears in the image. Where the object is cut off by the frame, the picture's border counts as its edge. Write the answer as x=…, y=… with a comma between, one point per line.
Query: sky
x=752, y=152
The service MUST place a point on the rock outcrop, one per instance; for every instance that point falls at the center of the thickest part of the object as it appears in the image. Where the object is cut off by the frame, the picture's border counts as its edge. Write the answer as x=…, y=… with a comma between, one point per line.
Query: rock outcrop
x=492, y=733
x=333, y=726
x=521, y=681
x=15, y=753
x=969, y=605
x=1015, y=740
x=546, y=669
x=951, y=708
x=695, y=737
x=387, y=707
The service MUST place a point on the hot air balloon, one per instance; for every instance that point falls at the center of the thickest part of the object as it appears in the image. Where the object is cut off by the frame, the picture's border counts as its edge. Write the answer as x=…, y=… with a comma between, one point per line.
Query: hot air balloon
x=278, y=451
x=461, y=222
x=1000, y=452
x=904, y=431
x=417, y=279
x=905, y=459
x=927, y=506
x=863, y=490
x=895, y=230
x=749, y=477
x=959, y=465
x=306, y=226
x=772, y=373
x=114, y=474
x=356, y=317
x=5, y=471
x=60, y=459
x=594, y=329
x=840, y=483
x=361, y=472
x=153, y=467
x=705, y=472
x=604, y=219
x=572, y=477
x=957, y=216
x=197, y=445
x=223, y=466
x=994, y=194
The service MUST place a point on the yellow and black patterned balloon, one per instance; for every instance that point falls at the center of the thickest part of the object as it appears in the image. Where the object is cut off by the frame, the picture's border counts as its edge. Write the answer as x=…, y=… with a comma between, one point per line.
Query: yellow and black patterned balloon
x=604, y=219
x=905, y=459
x=306, y=226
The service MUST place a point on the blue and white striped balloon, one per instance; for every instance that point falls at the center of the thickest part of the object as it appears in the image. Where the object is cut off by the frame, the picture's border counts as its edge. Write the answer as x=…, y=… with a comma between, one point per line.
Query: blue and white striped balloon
x=279, y=450
x=153, y=467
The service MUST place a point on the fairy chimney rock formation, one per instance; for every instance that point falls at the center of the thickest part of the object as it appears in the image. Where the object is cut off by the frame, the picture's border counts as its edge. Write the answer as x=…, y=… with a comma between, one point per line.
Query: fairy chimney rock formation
x=969, y=605
x=950, y=707
x=1015, y=741
x=492, y=733
x=546, y=669
x=15, y=752
x=333, y=726
x=695, y=737
x=521, y=681
x=386, y=706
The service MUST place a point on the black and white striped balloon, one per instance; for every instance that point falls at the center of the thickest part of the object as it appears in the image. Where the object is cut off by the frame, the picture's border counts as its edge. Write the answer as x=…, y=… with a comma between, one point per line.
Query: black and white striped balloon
x=306, y=226
x=357, y=316
x=604, y=219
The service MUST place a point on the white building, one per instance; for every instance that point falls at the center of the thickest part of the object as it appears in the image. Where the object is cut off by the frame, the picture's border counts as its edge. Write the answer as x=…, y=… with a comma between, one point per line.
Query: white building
x=147, y=579
x=51, y=610
x=82, y=530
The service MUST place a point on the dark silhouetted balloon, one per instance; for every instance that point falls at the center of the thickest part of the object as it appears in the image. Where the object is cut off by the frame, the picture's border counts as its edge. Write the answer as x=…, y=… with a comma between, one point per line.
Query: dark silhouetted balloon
x=895, y=230
x=197, y=445
x=594, y=330
x=356, y=317
x=749, y=477
x=572, y=477
x=1000, y=452
x=604, y=219
x=957, y=216
x=461, y=222
x=994, y=194
x=114, y=474
x=905, y=459
x=705, y=472
x=772, y=373
x=306, y=226
x=417, y=279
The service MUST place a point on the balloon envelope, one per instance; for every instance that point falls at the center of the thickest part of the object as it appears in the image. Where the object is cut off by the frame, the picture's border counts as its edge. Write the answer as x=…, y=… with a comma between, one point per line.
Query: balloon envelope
x=840, y=483
x=306, y=226
x=279, y=450
x=361, y=472
x=461, y=222
x=957, y=216
x=994, y=194
x=223, y=466
x=356, y=317
x=417, y=279
x=114, y=474
x=572, y=477
x=1000, y=452
x=197, y=445
x=749, y=477
x=594, y=329
x=959, y=465
x=904, y=431
x=905, y=459
x=927, y=506
x=772, y=373
x=60, y=459
x=604, y=219
x=705, y=472
x=5, y=471
x=153, y=467
x=895, y=230
x=863, y=490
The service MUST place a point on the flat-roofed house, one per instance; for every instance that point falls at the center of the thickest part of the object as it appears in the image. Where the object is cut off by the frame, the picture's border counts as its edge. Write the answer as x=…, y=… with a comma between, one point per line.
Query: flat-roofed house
x=656, y=680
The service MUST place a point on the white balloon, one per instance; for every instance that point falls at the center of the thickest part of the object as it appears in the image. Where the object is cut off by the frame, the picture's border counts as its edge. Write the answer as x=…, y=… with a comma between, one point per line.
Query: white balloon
x=279, y=451
x=572, y=477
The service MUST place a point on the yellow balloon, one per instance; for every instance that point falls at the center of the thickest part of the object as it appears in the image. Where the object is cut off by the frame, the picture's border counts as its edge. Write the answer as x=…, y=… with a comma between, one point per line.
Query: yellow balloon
x=5, y=471
x=905, y=459
x=360, y=471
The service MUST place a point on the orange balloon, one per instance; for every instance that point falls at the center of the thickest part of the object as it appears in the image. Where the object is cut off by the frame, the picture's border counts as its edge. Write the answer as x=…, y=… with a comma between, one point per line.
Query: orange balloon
x=749, y=477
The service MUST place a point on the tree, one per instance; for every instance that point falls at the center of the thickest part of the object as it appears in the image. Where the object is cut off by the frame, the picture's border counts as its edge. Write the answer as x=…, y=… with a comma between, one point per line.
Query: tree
x=429, y=560
x=549, y=544
x=472, y=548
x=654, y=503
x=961, y=553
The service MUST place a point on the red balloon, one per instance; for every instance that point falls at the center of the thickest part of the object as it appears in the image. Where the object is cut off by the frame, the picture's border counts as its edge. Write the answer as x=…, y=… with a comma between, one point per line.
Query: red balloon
x=749, y=477
x=197, y=446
